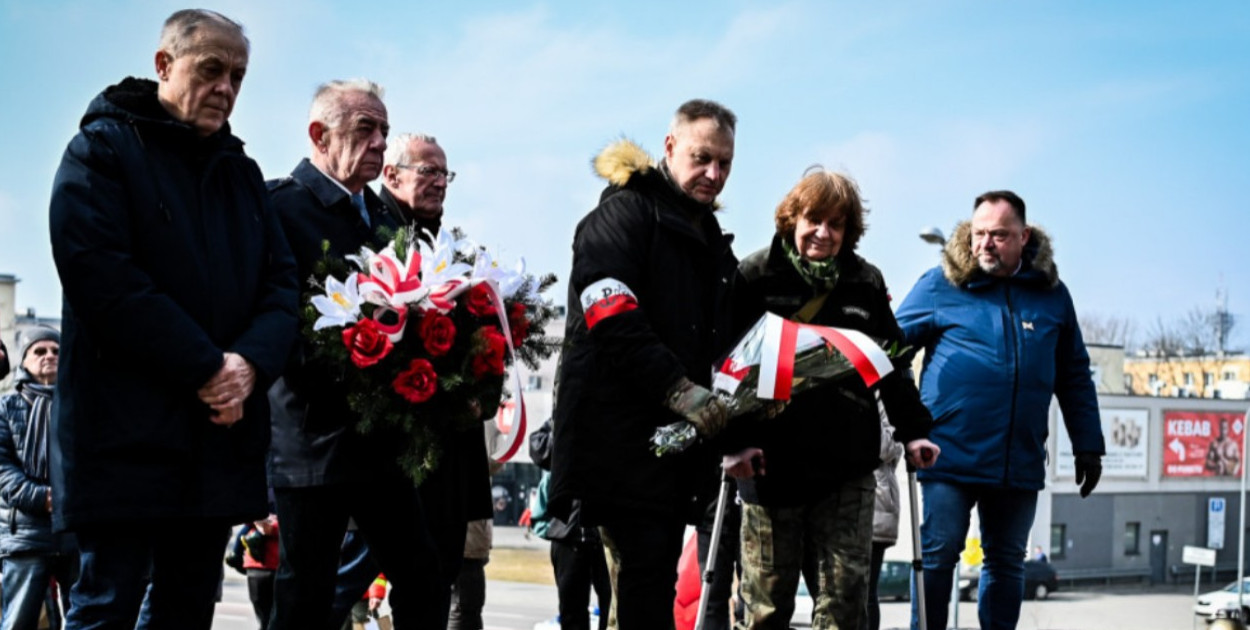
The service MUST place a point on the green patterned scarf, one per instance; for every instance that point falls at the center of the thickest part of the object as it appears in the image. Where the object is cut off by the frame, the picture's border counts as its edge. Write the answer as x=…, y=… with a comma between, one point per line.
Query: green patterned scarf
x=821, y=275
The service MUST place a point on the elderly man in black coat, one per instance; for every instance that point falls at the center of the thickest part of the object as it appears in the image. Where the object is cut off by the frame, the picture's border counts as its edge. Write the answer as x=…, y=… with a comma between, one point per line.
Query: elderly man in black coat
x=180, y=309
x=323, y=471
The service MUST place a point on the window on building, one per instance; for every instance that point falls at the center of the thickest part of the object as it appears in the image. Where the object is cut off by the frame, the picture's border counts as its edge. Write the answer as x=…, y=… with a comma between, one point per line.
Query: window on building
x=1189, y=379
x=1230, y=375
x=1208, y=379
x=1132, y=539
x=1058, y=534
x=534, y=383
x=1152, y=379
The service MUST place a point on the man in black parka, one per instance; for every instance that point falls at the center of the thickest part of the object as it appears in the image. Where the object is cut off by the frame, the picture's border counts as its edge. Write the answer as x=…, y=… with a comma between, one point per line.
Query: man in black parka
x=648, y=316
x=323, y=471
x=179, y=310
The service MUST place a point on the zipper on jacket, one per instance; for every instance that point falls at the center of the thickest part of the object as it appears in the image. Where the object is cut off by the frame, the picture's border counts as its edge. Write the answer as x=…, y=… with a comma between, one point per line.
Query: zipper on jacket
x=143, y=148
x=1014, y=341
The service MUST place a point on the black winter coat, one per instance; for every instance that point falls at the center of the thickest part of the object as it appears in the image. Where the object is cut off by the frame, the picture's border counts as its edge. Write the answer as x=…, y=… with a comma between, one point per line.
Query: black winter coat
x=832, y=434
x=314, y=437
x=169, y=256
x=25, y=524
x=614, y=375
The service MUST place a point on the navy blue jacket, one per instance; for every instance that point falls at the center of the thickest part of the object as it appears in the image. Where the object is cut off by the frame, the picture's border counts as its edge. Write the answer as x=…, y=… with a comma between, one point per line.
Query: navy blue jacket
x=996, y=350
x=314, y=437
x=169, y=256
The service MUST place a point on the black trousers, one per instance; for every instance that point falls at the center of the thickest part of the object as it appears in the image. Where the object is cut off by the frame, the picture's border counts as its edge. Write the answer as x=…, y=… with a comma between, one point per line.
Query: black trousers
x=389, y=515
x=468, y=597
x=580, y=565
x=874, y=576
x=648, y=548
x=260, y=591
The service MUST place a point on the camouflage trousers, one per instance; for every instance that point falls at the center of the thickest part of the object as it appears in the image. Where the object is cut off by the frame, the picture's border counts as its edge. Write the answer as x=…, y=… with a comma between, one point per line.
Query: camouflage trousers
x=832, y=536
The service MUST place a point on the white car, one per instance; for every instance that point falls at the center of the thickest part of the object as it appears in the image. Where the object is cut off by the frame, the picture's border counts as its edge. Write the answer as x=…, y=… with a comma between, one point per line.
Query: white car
x=1209, y=603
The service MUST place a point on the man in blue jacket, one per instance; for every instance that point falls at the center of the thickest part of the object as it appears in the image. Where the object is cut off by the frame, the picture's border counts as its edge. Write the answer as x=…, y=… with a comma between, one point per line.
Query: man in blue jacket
x=1000, y=336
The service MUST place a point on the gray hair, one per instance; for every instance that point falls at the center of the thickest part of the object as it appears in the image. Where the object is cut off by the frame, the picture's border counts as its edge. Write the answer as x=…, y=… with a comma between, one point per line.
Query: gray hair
x=697, y=109
x=397, y=149
x=182, y=25
x=327, y=107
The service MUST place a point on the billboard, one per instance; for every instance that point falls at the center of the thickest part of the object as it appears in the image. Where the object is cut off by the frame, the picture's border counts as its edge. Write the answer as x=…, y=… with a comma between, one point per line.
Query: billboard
x=1202, y=443
x=1126, y=432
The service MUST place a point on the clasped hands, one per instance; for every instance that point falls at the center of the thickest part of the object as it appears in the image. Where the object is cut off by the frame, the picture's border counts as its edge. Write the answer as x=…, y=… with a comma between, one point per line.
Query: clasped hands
x=226, y=391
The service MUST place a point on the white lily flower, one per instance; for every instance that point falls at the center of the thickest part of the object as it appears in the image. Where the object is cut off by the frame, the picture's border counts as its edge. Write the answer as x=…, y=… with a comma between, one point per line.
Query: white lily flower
x=509, y=281
x=439, y=267
x=340, y=305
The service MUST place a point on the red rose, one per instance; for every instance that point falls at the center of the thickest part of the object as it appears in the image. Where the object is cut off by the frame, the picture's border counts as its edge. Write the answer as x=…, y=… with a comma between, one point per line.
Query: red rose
x=479, y=301
x=518, y=323
x=438, y=332
x=367, y=344
x=417, y=383
x=491, y=348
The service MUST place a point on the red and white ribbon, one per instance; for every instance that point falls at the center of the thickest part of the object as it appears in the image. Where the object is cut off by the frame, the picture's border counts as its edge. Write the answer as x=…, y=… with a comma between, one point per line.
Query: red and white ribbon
x=781, y=337
x=511, y=426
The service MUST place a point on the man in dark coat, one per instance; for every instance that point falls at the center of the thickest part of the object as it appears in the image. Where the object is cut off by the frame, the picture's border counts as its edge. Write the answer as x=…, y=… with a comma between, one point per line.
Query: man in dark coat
x=414, y=185
x=648, y=315
x=325, y=473
x=180, y=300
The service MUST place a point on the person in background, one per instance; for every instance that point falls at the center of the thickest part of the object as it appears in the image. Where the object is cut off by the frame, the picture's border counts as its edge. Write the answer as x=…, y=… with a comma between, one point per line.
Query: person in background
x=260, y=562
x=31, y=554
x=885, y=515
x=576, y=551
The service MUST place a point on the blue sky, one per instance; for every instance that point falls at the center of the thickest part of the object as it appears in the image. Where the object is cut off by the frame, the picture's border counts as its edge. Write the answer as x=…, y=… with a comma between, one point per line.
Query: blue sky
x=1122, y=124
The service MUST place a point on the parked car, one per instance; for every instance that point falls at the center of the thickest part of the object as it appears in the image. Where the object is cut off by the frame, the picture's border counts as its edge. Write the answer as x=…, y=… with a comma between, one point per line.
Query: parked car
x=1040, y=581
x=1209, y=603
x=894, y=583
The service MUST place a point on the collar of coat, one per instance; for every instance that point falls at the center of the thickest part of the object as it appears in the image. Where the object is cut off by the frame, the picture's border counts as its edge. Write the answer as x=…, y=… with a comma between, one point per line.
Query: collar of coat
x=961, y=269
x=427, y=229
x=624, y=164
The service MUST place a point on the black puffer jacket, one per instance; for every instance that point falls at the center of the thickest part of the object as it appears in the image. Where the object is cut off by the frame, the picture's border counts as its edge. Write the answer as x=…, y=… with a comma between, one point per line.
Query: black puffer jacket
x=670, y=252
x=169, y=256
x=25, y=524
x=831, y=434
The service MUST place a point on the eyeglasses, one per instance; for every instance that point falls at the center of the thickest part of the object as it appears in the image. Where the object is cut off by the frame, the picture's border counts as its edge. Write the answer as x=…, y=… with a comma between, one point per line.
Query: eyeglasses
x=42, y=351
x=430, y=171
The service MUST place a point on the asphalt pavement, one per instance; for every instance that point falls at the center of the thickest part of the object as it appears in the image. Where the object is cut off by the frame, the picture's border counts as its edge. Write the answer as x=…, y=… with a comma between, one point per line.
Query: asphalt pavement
x=518, y=606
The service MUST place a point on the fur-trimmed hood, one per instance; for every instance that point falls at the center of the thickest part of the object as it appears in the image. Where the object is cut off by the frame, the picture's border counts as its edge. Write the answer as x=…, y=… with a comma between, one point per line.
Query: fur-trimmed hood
x=620, y=160
x=960, y=266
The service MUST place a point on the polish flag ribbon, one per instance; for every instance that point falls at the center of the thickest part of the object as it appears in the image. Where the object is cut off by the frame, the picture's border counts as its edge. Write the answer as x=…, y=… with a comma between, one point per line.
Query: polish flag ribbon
x=781, y=337
x=512, y=429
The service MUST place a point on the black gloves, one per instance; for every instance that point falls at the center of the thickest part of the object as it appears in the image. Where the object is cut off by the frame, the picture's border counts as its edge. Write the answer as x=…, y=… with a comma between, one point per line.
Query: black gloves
x=1088, y=472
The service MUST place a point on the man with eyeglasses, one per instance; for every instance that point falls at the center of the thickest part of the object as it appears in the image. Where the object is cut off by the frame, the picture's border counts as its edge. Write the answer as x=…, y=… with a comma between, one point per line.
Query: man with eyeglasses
x=414, y=181
x=1000, y=336
x=414, y=185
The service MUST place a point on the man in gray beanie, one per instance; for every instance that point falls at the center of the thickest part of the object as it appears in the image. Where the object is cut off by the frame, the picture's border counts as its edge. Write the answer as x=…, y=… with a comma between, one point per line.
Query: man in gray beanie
x=30, y=554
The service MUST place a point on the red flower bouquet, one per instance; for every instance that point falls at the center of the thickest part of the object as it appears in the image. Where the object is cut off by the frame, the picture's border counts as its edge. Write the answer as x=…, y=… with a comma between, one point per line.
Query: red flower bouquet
x=427, y=337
